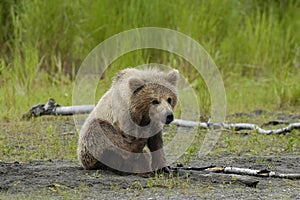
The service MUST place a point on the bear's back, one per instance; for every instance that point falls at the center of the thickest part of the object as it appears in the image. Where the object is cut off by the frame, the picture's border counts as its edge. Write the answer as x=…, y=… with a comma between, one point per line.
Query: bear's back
x=148, y=75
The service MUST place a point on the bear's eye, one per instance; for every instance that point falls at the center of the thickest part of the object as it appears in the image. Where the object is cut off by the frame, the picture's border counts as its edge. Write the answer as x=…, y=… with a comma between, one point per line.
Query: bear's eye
x=169, y=100
x=155, y=102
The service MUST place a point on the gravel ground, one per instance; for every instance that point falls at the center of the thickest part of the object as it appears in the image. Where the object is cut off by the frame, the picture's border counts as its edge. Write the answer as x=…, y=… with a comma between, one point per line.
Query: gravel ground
x=62, y=178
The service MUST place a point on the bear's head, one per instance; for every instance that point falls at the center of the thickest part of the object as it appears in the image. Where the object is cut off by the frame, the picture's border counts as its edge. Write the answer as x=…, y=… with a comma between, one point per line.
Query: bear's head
x=153, y=98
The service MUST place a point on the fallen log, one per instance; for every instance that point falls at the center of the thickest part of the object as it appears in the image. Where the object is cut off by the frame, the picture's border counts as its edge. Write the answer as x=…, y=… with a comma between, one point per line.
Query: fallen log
x=50, y=108
x=234, y=174
x=247, y=126
x=238, y=171
x=253, y=172
x=206, y=172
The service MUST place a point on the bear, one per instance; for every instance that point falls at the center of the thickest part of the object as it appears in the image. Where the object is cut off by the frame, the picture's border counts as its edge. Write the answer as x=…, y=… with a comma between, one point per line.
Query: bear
x=123, y=133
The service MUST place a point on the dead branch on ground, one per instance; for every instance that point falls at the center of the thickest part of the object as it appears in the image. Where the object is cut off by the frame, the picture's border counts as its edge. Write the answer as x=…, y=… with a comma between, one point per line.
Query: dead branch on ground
x=50, y=108
x=238, y=171
x=253, y=172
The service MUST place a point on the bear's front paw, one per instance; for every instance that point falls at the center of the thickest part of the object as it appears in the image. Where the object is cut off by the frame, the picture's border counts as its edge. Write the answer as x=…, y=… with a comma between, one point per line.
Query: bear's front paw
x=166, y=170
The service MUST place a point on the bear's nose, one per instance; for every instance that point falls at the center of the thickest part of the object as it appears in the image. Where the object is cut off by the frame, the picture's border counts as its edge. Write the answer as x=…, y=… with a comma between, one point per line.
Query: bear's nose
x=169, y=118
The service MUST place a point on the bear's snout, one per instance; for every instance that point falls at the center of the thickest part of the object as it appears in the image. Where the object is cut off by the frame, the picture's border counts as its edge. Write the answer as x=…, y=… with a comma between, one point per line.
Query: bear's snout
x=169, y=117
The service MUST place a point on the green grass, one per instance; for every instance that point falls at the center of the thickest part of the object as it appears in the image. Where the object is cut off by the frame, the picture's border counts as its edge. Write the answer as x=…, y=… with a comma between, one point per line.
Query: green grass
x=38, y=139
x=243, y=144
x=255, y=45
x=55, y=138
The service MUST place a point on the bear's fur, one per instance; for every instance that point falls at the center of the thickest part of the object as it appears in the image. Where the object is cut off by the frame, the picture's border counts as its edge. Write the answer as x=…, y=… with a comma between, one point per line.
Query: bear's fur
x=128, y=117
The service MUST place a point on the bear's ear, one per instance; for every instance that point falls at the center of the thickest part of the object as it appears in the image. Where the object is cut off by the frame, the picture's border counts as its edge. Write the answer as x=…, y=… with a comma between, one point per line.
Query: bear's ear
x=172, y=76
x=135, y=83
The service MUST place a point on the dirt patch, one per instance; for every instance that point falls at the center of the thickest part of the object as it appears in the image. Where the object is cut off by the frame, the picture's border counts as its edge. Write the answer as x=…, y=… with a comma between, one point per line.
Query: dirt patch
x=47, y=139
x=64, y=178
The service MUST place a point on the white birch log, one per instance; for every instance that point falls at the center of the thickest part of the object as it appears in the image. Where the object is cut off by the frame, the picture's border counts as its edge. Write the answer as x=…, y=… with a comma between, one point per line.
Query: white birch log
x=71, y=110
x=50, y=108
x=253, y=172
x=237, y=126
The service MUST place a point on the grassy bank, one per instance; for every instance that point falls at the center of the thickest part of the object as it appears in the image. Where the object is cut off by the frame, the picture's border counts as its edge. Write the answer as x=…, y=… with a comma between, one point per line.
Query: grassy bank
x=255, y=44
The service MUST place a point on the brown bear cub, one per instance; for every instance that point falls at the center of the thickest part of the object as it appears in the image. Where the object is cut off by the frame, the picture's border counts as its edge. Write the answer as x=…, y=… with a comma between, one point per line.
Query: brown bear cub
x=129, y=117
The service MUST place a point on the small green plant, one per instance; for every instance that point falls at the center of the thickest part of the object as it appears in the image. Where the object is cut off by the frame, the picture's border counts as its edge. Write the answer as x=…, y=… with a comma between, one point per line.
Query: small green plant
x=291, y=144
x=230, y=144
x=191, y=151
x=150, y=182
x=96, y=174
x=138, y=188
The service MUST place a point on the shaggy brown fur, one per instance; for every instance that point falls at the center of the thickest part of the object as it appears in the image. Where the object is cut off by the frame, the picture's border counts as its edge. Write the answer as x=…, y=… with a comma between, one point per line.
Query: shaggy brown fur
x=127, y=118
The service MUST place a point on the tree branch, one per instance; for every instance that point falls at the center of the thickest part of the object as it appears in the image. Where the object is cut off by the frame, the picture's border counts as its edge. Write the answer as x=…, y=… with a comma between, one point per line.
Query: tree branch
x=50, y=108
x=253, y=172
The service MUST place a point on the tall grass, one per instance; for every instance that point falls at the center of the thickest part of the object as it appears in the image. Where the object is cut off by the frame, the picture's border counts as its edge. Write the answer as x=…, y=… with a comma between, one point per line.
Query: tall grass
x=254, y=43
